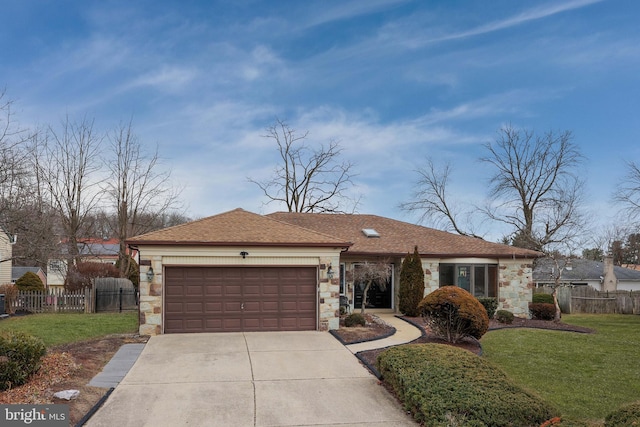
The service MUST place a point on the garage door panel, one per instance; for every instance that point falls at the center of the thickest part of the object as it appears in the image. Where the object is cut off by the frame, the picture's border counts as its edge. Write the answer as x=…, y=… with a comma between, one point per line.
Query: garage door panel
x=233, y=290
x=194, y=307
x=213, y=290
x=213, y=307
x=215, y=299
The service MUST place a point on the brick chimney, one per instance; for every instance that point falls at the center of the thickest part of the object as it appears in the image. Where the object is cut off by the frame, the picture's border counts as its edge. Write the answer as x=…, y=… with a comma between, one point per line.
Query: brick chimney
x=610, y=281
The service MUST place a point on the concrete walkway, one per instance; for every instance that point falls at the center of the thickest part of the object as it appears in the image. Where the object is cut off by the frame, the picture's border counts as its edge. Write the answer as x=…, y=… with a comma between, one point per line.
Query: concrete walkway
x=405, y=332
x=118, y=366
x=249, y=379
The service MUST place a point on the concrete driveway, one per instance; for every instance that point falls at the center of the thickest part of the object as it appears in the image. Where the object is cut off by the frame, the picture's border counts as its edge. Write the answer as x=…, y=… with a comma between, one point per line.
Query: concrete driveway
x=249, y=379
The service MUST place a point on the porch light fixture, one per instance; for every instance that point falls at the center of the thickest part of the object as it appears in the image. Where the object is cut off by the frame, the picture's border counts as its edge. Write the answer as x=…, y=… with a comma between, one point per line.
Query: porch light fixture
x=150, y=274
x=244, y=254
x=329, y=272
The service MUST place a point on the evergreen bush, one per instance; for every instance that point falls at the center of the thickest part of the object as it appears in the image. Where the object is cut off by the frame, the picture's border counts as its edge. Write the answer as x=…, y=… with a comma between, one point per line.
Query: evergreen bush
x=627, y=415
x=354, y=319
x=489, y=304
x=20, y=357
x=504, y=316
x=542, y=299
x=411, y=284
x=439, y=383
x=453, y=313
x=133, y=273
x=30, y=282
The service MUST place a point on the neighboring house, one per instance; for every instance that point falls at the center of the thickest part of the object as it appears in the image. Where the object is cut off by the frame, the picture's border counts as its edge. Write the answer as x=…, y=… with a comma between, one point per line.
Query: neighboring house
x=6, y=254
x=91, y=250
x=240, y=271
x=583, y=272
x=18, y=272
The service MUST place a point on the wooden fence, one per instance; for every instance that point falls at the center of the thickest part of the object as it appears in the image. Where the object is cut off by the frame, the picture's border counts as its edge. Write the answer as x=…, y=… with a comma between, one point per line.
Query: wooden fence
x=52, y=301
x=115, y=295
x=585, y=299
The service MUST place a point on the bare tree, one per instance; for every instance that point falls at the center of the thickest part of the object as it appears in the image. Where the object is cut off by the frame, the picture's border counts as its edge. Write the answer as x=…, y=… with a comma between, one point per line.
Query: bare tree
x=370, y=273
x=23, y=212
x=628, y=193
x=68, y=166
x=307, y=180
x=430, y=199
x=536, y=186
x=139, y=191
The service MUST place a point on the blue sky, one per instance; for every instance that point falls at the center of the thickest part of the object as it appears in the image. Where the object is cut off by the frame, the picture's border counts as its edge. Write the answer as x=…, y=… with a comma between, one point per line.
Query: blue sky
x=395, y=81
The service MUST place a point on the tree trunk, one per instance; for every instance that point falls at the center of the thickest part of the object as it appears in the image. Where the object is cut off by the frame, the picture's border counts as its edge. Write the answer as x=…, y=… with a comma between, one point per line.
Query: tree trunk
x=558, y=314
x=365, y=296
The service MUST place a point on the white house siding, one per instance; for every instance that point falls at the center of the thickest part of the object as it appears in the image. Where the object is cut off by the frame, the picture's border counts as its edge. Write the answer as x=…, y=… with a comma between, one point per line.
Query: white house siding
x=151, y=302
x=6, y=252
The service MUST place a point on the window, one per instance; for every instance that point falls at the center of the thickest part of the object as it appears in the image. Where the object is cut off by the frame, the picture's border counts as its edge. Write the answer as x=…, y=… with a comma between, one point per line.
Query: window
x=480, y=280
x=342, y=279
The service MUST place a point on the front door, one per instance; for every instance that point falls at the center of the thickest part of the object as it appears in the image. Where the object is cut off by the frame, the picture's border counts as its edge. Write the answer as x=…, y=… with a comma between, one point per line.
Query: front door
x=379, y=294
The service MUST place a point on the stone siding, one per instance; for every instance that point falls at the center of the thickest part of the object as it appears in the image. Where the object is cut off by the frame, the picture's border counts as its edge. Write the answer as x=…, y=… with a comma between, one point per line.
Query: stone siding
x=515, y=286
x=431, y=276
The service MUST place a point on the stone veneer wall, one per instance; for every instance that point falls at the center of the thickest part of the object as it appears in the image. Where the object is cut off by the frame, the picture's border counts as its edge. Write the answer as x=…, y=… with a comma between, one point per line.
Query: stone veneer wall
x=431, y=276
x=151, y=299
x=515, y=281
x=329, y=297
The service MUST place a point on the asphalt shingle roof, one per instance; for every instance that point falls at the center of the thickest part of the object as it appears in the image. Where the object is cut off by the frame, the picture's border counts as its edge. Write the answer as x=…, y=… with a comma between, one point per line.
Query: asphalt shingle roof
x=581, y=269
x=238, y=227
x=399, y=238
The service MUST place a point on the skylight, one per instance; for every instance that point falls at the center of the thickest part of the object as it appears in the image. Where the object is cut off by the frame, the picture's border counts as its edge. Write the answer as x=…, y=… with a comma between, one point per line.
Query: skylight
x=370, y=232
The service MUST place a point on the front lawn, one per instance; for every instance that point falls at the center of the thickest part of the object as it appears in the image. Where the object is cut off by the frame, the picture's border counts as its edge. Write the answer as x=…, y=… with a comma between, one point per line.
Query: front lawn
x=587, y=376
x=56, y=329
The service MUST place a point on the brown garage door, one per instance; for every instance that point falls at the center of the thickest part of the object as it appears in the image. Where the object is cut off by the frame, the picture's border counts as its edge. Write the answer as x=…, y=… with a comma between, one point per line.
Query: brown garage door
x=226, y=299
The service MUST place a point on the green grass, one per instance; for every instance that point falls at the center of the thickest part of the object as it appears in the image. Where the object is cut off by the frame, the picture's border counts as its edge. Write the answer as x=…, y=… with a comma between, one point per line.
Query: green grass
x=56, y=329
x=586, y=375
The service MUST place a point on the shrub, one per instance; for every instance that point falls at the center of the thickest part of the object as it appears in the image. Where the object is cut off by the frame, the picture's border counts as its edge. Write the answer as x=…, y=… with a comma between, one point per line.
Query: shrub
x=10, y=294
x=504, y=316
x=411, y=284
x=453, y=313
x=133, y=273
x=438, y=383
x=627, y=415
x=81, y=276
x=30, y=282
x=20, y=357
x=542, y=311
x=489, y=304
x=354, y=319
x=542, y=299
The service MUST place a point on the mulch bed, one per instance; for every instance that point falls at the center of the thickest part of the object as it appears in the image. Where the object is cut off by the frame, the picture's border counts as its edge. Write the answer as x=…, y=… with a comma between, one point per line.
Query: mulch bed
x=66, y=367
x=470, y=344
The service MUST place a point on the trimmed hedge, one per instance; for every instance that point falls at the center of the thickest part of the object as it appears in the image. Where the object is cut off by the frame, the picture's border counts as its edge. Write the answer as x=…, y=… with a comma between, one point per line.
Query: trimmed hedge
x=628, y=415
x=354, y=319
x=20, y=357
x=505, y=316
x=542, y=299
x=542, y=311
x=453, y=313
x=489, y=304
x=443, y=385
